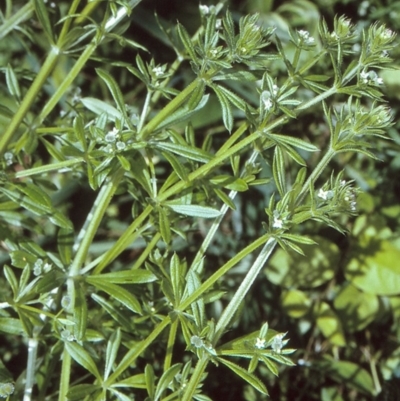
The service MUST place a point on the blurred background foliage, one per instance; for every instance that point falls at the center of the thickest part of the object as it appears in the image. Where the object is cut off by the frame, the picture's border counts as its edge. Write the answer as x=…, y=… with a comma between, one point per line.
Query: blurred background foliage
x=340, y=303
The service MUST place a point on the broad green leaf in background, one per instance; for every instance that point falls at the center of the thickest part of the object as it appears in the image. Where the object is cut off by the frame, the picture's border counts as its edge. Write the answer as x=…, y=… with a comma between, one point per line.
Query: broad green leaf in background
x=355, y=308
x=295, y=303
x=348, y=373
x=204, y=212
x=291, y=269
x=329, y=324
x=375, y=269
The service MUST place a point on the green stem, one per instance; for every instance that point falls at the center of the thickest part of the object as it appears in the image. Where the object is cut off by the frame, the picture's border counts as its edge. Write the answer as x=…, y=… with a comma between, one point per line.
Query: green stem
x=315, y=174
x=243, y=289
x=191, y=387
x=29, y=98
x=170, y=345
x=145, y=111
x=222, y=271
x=65, y=375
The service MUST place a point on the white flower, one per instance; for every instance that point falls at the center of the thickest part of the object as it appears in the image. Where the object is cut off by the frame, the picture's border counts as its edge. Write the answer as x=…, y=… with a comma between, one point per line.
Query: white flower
x=364, y=75
x=6, y=389
x=8, y=156
x=260, y=343
x=325, y=195
x=121, y=145
x=196, y=341
x=387, y=34
x=277, y=343
x=278, y=223
x=112, y=135
x=305, y=37
x=204, y=9
x=266, y=100
x=158, y=71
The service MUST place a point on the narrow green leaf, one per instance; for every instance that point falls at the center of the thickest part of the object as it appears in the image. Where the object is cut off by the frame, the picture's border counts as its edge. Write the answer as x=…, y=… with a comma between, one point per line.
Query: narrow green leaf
x=112, y=349
x=80, y=313
x=164, y=224
x=166, y=379
x=12, y=279
x=292, y=141
x=65, y=242
x=176, y=165
x=278, y=171
x=10, y=325
x=99, y=107
x=224, y=198
x=301, y=239
x=244, y=374
x=124, y=162
x=150, y=380
x=80, y=391
x=12, y=82
x=136, y=381
x=196, y=96
x=53, y=151
x=115, y=91
x=116, y=292
x=233, y=98
x=204, y=212
x=270, y=365
x=227, y=116
x=187, y=43
x=189, y=152
x=43, y=16
x=79, y=130
x=137, y=276
x=113, y=312
x=177, y=277
x=83, y=358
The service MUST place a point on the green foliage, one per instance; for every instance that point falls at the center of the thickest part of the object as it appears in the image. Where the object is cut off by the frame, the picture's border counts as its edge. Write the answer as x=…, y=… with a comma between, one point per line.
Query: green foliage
x=198, y=162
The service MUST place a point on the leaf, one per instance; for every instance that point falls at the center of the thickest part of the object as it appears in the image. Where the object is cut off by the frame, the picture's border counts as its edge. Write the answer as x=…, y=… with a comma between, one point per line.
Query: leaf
x=136, y=381
x=80, y=312
x=348, y=373
x=82, y=357
x=356, y=308
x=292, y=141
x=115, y=91
x=43, y=16
x=111, y=352
x=227, y=116
x=187, y=151
x=204, y=212
x=330, y=325
x=295, y=303
x=176, y=165
x=187, y=43
x=244, y=374
x=289, y=269
x=166, y=379
x=177, y=272
x=164, y=224
x=65, y=242
x=196, y=96
x=11, y=325
x=150, y=380
x=12, y=279
x=116, y=292
x=278, y=171
x=372, y=268
x=136, y=276
x=80, y=391
x=99, y=107
x=12, y=82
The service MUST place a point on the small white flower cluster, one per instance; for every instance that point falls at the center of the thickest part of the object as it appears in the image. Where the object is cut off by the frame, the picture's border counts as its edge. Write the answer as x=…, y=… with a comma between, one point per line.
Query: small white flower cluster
x=305, y=37
x=325, y=195
x=267, y=98
x=387, y=34
x=279, y=220
x=6, y=389
x=66, y=335
x=205, y=10
x=113, y=140
x=260, y=343
x=278, y=343
x=350, y=198
x=158, y=71
x=8, y=157
x=40, y=267
x=371, y=78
